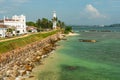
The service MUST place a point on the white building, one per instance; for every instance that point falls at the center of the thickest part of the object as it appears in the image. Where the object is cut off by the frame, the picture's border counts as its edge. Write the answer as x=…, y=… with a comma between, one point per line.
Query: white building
x=31, y=29
x=3, y=30
x=54, y=20
x=18, y=23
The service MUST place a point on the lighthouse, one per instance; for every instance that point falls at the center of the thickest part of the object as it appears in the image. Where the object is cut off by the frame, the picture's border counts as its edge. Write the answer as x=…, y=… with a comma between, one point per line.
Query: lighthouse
x=54, y=20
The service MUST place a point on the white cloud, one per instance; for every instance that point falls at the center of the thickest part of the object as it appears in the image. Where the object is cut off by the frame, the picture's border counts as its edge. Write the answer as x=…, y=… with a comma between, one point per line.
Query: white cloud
x=92, y=12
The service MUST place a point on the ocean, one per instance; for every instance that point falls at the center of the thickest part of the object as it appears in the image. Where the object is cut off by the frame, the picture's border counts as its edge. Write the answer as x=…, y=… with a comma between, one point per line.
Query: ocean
x=75, y=60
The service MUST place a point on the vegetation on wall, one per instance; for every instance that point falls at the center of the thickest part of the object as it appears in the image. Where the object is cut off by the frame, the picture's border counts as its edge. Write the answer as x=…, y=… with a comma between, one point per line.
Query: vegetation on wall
x=20, y=42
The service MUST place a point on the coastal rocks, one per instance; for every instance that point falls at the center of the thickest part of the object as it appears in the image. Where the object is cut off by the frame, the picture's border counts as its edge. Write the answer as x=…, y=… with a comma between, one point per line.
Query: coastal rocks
x=19, y=63
x=85, y=40
x=64, y=39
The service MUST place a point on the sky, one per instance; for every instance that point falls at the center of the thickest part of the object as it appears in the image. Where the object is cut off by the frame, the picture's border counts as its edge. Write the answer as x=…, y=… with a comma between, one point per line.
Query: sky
x=72, y=12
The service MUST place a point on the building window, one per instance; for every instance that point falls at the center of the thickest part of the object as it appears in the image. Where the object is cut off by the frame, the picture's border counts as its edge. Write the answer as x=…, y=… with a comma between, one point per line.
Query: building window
x=18, y=31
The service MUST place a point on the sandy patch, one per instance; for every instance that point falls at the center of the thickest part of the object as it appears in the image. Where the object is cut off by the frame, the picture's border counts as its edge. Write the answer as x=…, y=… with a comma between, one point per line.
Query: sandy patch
x=73, y=34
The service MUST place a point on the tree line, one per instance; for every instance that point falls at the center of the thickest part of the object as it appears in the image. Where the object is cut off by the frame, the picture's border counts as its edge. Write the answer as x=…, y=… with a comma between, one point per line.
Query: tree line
x=44, y=23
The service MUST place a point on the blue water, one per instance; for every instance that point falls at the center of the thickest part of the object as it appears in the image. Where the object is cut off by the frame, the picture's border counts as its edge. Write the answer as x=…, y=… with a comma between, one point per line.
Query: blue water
x=112, y=29
x=86, y=61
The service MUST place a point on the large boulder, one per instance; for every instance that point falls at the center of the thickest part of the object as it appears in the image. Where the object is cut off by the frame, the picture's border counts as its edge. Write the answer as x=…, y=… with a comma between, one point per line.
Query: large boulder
x=86, y=40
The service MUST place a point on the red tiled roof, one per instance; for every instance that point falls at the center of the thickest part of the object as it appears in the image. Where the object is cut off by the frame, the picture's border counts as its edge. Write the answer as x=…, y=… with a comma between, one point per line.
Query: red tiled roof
x=31, y=28
x=3, y=26
x=1, y=20
x=10, y=20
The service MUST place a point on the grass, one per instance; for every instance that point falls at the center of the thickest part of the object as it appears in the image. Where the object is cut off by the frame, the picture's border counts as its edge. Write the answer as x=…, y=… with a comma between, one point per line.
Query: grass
x=20, y=42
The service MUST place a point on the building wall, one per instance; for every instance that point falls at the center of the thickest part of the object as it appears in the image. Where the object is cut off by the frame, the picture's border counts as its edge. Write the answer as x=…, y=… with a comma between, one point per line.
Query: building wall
x=54, y=20
x=54, y=24
x=2, y=32
x=18, y=22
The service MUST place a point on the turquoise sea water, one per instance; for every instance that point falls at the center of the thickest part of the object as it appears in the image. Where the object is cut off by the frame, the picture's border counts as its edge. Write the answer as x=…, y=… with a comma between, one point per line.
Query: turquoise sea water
x=112, y=29
x=85, y=61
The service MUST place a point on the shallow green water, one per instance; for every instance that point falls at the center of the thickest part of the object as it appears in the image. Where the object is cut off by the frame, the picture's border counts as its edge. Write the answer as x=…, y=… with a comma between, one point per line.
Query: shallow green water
x=85, y=61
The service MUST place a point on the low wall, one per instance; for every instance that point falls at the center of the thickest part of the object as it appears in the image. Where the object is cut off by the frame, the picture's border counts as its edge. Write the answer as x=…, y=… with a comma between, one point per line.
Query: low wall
x=22, y=60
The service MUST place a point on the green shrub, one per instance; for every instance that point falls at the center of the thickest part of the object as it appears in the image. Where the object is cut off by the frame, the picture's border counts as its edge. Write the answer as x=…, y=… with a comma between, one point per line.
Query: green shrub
x=68, y=29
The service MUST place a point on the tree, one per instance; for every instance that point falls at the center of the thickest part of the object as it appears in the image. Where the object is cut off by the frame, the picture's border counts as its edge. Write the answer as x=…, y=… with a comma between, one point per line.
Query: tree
x=10, y=30
x=60, y=24
x=30, y=23
x=38, y=23
x=50, y=24
x=44, y=23
x=68, y=29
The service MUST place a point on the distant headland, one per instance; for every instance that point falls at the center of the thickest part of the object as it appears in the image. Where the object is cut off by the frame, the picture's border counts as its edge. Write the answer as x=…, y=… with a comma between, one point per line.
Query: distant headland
x=111, y=25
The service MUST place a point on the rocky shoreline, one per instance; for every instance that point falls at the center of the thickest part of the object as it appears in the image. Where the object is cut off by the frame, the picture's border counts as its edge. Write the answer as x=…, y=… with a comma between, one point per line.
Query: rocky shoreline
x=19, y=63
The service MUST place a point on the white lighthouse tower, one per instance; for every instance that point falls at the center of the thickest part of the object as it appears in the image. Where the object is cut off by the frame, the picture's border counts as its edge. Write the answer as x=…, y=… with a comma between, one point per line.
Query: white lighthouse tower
x=54, y=20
